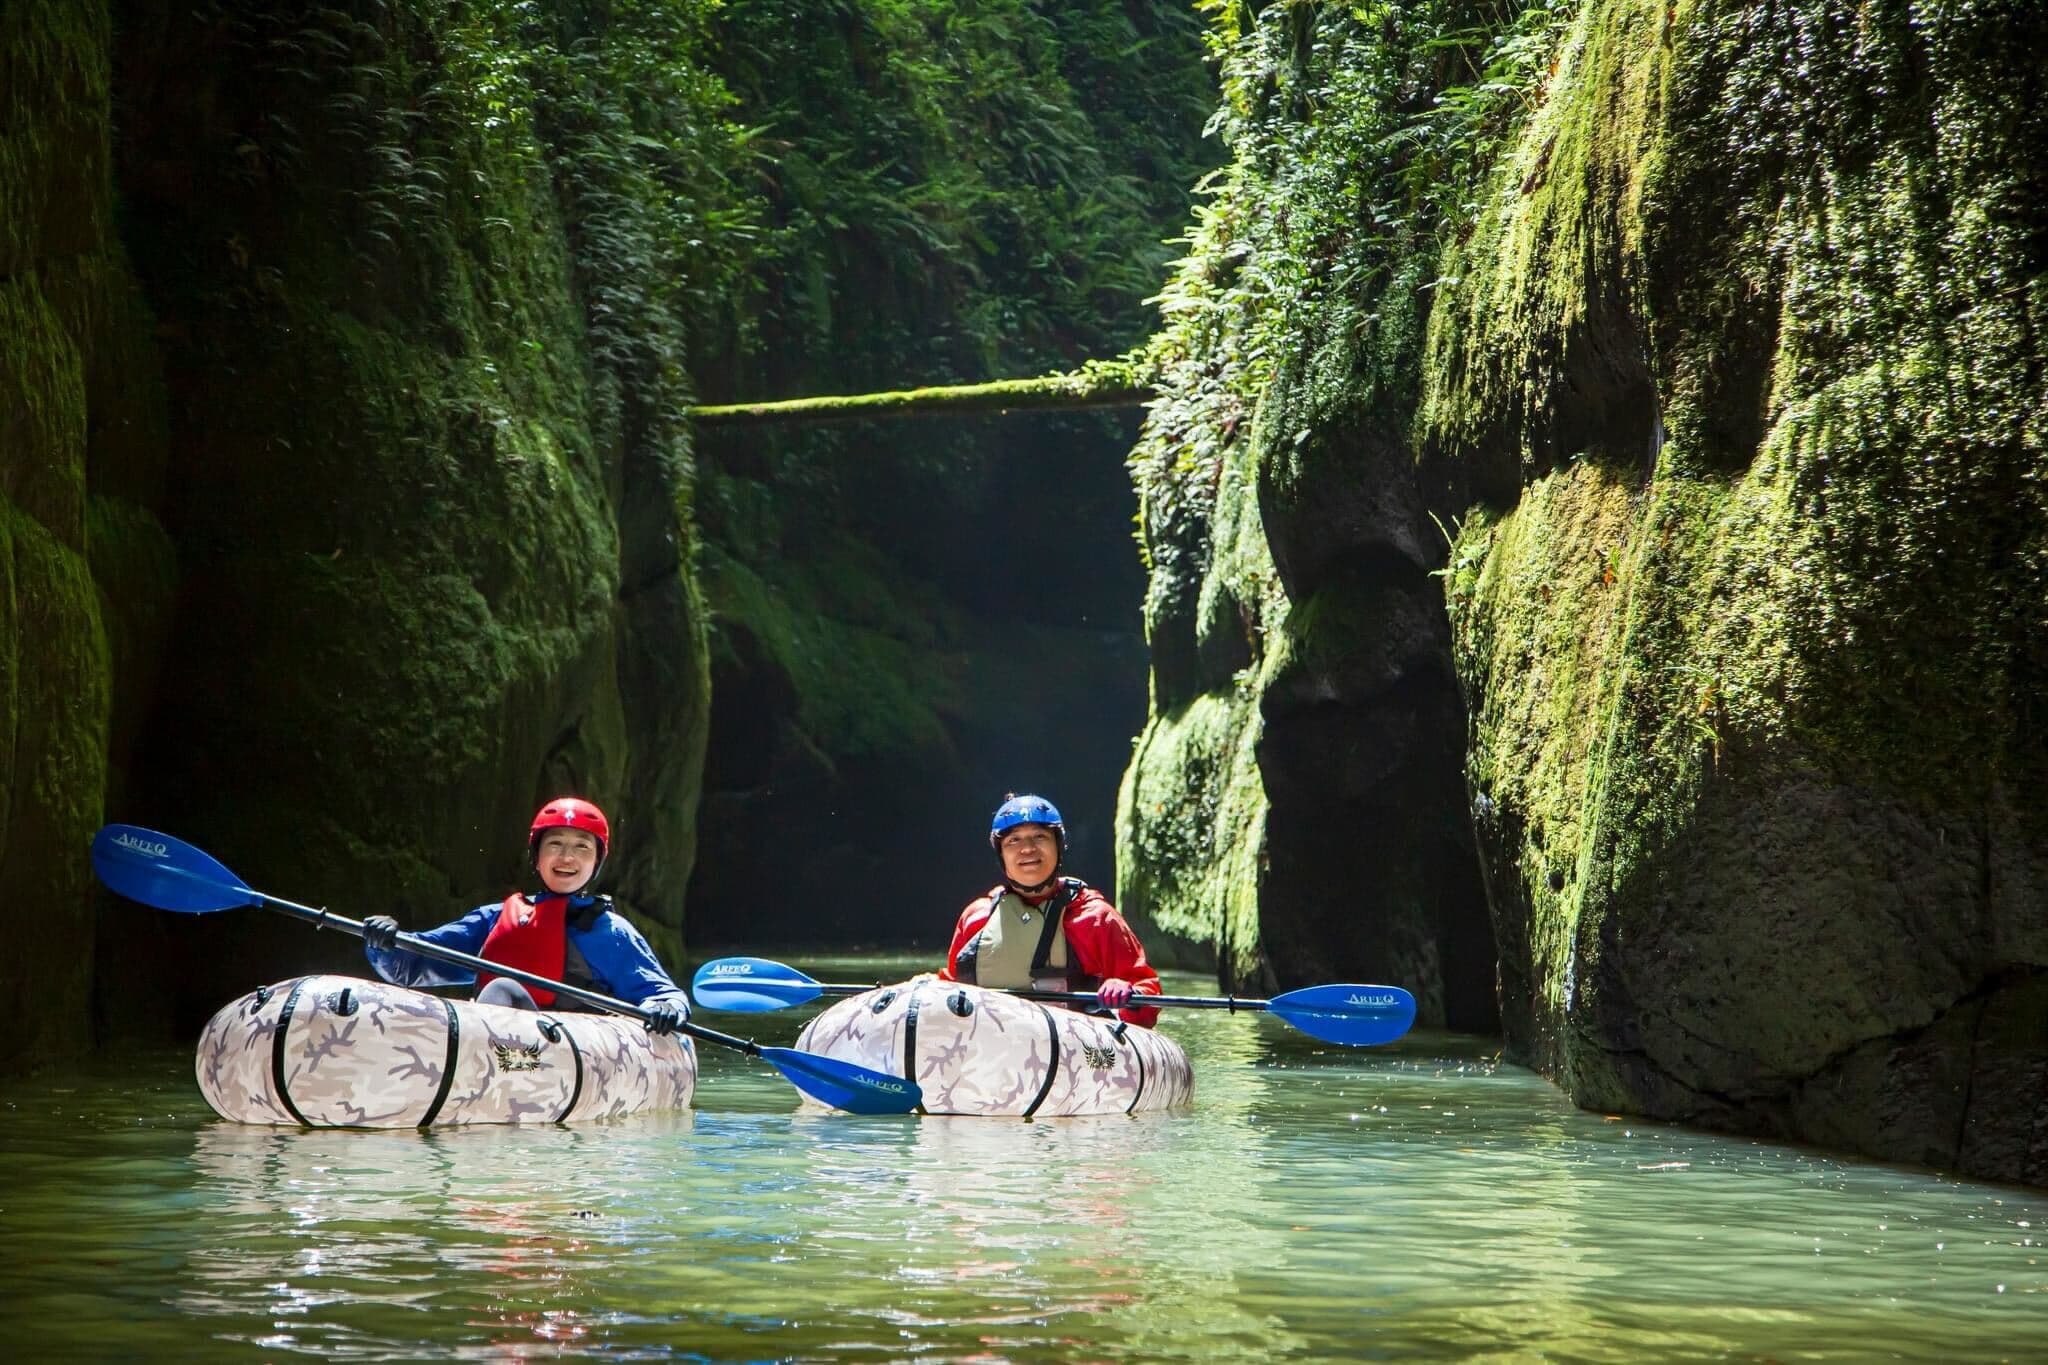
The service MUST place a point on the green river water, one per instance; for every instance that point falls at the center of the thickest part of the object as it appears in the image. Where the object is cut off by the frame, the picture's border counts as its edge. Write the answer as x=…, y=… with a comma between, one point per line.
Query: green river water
x=1412, y=1202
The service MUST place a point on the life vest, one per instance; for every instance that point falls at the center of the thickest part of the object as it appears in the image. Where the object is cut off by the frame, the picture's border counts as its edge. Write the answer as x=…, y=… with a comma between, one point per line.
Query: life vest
x=1021, y=945
x=532, y=936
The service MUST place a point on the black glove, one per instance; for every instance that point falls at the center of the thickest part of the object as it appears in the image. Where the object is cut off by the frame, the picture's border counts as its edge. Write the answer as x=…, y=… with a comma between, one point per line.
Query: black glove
x=665, y=1015
x=381, y=932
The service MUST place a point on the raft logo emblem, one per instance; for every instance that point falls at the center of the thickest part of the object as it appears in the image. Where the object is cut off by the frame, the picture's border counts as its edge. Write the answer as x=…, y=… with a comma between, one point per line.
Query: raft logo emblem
x=1381, y=1002
x=1101, y=1058
x=517, y=1058
x=142, y=846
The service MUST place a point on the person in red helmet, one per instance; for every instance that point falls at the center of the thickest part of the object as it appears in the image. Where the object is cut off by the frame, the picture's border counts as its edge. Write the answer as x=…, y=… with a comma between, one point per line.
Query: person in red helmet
x=561, y=931
x=1038, y=930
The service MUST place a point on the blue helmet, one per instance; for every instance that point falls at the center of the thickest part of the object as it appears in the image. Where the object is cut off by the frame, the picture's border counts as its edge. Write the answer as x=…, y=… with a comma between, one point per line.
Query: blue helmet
x=1027, y=810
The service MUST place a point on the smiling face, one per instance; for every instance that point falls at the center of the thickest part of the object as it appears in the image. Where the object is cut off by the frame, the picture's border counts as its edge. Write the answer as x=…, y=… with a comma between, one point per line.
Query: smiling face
x=567, y=859
x=1030, y=853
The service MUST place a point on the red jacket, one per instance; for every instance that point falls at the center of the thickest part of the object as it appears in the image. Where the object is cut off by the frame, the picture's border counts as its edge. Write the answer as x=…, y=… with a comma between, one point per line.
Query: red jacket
x=1099, y=944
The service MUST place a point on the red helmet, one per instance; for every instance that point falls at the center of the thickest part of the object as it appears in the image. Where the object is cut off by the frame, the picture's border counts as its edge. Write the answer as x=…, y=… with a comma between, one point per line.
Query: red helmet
x=569, y=812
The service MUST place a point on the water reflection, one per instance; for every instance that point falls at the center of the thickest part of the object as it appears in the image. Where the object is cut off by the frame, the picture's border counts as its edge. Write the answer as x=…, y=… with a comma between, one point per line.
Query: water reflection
x=328, y=1236
x=1419, y=1202
x=1519, y=1221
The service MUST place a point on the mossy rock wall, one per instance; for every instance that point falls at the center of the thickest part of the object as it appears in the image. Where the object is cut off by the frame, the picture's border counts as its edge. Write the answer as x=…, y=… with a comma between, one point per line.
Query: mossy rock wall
x=86, y=569
x=351, y=518
x=1294, y=806
x=1711, y=336
x=1755, y=658
x=431, y=504
x=1191, y=814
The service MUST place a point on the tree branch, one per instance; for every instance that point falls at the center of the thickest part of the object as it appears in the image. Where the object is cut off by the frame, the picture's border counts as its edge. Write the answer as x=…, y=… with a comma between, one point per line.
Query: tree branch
x=1098, y=384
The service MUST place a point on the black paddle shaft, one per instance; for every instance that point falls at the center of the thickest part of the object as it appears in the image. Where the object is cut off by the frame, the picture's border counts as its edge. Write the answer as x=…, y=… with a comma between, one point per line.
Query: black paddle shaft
x=1136, y=1002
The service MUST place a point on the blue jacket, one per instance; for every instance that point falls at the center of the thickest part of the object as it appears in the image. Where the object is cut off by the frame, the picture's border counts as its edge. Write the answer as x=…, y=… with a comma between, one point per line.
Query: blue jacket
x=621, y=964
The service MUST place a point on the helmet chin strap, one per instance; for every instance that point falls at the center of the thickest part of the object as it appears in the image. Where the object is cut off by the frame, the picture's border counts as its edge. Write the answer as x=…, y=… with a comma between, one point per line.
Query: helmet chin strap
x=1023, y=890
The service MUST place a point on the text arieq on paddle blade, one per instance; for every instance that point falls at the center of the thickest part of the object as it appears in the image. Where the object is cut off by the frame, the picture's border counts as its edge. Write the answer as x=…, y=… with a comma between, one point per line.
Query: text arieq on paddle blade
x=158, y=870
x=751, y=985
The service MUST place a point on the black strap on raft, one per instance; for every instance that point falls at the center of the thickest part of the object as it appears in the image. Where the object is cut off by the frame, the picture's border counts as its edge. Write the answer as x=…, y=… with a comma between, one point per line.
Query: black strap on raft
x=554, y=1031
x=910, y=1040
x=1137, y=1052
x=277, y=1045
x=1052, y=1064
x=447, y=1067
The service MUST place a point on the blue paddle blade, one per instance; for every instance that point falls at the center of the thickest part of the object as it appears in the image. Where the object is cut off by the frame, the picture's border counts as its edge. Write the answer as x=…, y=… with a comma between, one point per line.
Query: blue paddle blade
x=1356, y=1016
x=167, y=873
x=843, y=1085
x=751, y=985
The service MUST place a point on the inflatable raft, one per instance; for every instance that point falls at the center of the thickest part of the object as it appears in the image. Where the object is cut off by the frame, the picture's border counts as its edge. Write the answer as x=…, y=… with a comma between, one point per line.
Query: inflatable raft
x=976, y=1051
x=340, y=1052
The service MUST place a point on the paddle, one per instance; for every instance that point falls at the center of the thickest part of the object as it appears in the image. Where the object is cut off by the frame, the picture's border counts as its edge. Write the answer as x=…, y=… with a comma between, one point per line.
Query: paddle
x=170, y=874
x=1356, y=1016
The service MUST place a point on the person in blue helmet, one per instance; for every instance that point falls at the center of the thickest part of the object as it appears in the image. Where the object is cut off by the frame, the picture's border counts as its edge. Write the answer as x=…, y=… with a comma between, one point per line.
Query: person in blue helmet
x=1038, y=930
x=561, y=932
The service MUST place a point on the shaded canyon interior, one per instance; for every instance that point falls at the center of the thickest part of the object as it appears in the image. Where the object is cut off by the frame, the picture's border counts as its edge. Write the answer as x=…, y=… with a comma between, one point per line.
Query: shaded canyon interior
x=1591, y=527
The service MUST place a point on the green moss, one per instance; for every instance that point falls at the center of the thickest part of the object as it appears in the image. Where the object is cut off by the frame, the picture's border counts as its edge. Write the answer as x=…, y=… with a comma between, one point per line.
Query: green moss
x=55, y=133
x=42, y=394
x=464, y=545
x=54, y=685
x=1563, y=645
x=1191, y=830
x=1191, y=812
x=1828, y=563
x=1536, y=282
